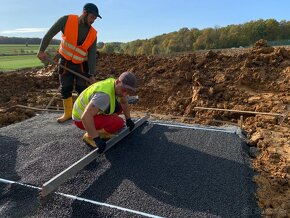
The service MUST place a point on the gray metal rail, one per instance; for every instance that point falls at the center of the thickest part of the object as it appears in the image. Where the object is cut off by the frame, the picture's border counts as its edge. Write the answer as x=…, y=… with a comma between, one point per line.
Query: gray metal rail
x=56, y=181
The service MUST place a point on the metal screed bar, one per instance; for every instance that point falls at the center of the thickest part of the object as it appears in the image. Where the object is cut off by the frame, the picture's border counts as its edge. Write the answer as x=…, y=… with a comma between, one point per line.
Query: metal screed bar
x=56, y=181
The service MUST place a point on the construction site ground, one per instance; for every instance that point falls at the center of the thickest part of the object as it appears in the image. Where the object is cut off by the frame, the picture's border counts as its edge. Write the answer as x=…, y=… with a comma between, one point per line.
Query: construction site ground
x=254, y=79
x=159, y=169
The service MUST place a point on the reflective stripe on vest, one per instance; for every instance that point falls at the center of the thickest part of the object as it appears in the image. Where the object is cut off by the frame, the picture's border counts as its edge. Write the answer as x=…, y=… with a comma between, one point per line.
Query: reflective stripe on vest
x=71, y=55
x=68, y=46
x=106, y=86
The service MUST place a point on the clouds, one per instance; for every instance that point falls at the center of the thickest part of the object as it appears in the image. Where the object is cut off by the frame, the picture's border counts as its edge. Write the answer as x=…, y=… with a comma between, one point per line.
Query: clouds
x=23, y=30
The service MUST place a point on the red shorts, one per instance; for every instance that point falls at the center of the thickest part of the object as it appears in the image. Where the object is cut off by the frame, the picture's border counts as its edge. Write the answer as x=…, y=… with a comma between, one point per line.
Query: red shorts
x=110, y=123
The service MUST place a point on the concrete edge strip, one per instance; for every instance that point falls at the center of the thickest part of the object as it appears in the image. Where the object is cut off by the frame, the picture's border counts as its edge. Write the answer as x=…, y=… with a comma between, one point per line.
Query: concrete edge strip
x=193, y=127
x=110, y=205
x=83, y=199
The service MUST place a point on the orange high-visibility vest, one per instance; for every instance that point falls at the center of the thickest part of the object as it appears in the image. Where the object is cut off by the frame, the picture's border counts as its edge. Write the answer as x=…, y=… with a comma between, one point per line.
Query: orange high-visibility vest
x=68, y=46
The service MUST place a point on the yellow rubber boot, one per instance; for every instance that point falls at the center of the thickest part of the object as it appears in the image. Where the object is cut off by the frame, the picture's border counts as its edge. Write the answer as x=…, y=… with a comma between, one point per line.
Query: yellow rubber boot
x=67, y=106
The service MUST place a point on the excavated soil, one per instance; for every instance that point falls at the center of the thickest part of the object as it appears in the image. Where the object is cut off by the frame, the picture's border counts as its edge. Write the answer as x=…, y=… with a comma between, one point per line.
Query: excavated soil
x=255, y=79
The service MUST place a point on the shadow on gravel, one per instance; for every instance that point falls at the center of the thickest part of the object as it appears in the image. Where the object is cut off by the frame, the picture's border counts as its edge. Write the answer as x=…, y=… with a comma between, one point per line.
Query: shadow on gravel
x=8, y=157
x=154, y=170
x=13, y=199
x=19, y=201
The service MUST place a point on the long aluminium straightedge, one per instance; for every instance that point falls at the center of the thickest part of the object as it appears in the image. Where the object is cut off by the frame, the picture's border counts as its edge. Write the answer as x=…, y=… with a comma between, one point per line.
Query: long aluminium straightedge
x=83, y=199
x=57, y=180
x=193, y=127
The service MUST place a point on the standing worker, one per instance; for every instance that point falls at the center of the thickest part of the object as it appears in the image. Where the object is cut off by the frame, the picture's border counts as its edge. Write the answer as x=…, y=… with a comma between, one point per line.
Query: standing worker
x=96, y=109
x=77, y=52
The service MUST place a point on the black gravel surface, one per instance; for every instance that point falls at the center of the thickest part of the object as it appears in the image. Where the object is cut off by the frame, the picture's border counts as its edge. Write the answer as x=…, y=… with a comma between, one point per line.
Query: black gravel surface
x=159, y=170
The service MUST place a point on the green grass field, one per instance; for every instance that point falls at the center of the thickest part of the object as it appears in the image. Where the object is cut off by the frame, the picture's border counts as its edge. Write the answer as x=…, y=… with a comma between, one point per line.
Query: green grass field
x=23, y=49
x=16, y=57
x=9, y=63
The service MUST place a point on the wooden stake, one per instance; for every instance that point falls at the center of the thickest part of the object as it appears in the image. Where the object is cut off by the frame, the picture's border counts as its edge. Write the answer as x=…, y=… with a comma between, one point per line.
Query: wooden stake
x=239, y=111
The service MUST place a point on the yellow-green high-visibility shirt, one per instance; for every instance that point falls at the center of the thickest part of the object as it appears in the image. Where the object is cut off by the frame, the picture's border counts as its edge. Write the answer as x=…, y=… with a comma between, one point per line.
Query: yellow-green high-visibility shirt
x=106, y=86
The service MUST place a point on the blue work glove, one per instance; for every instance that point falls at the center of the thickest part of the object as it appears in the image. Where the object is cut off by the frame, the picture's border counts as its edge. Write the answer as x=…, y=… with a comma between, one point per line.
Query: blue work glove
x=130, y=124
x=101, y=144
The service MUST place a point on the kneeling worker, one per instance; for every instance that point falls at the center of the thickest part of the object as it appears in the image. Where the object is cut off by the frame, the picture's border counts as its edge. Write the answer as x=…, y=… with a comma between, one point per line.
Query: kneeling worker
x=97, y=107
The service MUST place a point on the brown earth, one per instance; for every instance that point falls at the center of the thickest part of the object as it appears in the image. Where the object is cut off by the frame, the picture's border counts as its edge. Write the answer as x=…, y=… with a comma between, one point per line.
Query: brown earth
x=255, y=79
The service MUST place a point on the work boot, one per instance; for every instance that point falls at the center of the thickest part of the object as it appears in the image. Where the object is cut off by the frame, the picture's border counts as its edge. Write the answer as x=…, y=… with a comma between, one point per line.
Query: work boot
x=89, y=140
x=103, y=134
x=67, y=106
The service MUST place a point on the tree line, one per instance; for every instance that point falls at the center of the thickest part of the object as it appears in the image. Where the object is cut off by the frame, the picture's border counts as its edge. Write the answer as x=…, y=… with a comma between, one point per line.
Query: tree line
x=30, y=41
x=186, y=40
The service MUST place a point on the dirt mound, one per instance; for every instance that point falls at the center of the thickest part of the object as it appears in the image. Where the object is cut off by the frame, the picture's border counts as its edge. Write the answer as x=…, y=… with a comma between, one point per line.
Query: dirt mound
x=24, y=88
x=256, y=79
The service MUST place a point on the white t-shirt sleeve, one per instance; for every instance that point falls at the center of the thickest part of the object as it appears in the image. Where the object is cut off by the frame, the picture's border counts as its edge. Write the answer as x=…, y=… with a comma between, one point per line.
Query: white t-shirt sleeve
x=101, y=100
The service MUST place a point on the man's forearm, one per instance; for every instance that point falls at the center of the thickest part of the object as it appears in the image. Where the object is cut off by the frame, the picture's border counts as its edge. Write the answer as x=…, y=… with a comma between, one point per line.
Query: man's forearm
x=92, y=59
x=56, y=28
x=126, y=109
x=88, y=122
x=45, y=42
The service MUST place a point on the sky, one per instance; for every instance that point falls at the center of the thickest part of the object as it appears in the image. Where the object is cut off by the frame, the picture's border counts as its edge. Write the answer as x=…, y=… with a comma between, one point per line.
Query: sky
x=128, y=20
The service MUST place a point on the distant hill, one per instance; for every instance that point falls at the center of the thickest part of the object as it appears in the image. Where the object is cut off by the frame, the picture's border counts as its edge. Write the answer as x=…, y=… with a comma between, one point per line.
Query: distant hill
x=18, y=40
x=189, y=40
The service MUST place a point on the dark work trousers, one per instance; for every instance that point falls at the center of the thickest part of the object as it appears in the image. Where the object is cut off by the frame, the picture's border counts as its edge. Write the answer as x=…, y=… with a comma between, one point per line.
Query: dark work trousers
x=68, y=80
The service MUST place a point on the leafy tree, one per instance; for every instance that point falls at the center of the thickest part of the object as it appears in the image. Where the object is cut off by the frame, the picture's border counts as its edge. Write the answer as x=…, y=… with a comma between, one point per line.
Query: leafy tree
x=155, y=50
